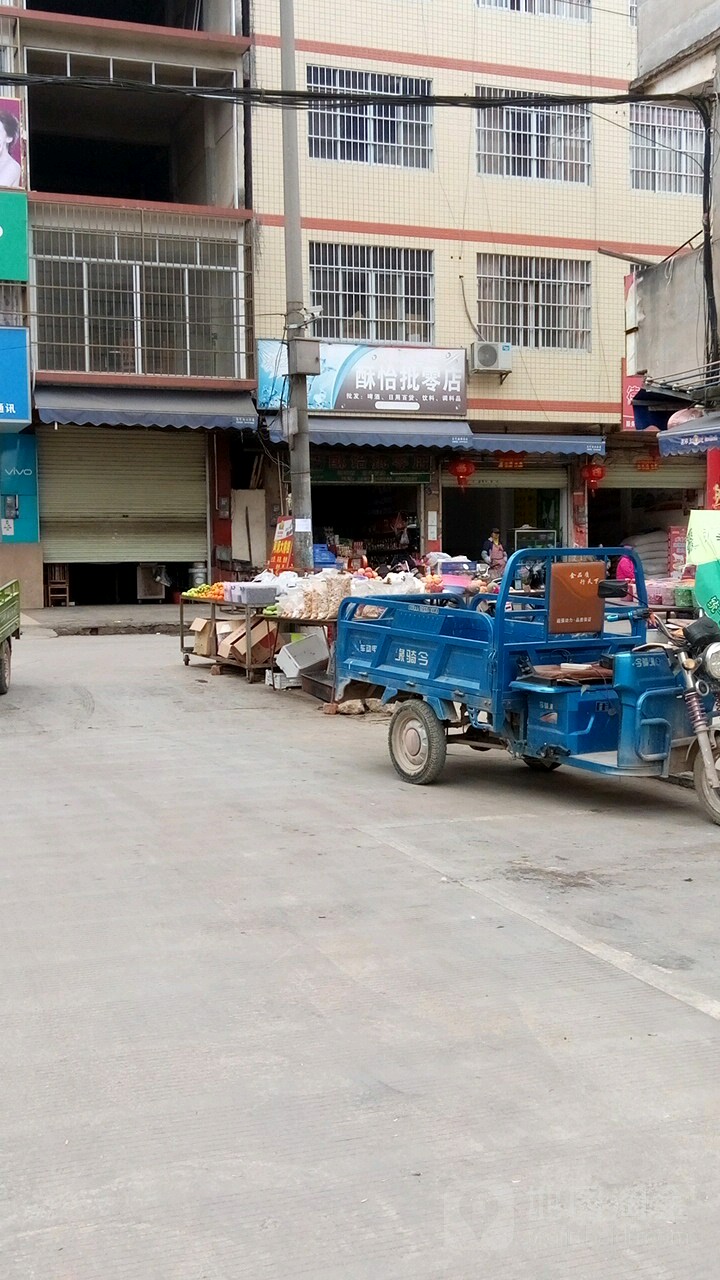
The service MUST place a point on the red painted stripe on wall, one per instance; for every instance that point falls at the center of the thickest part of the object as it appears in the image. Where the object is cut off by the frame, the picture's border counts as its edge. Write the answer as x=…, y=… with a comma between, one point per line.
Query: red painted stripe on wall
x=405, y=58
x=549, y=406
x=346, y=226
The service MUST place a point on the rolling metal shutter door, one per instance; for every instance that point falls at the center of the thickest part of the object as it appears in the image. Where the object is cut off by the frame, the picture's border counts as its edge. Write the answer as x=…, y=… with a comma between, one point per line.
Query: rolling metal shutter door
x=527, y=477
x=120, y=495
x=673, y=473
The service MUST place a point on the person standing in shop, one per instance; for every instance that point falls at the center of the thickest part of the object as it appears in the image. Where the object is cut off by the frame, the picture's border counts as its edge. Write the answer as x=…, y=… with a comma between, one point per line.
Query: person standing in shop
x=494, y=554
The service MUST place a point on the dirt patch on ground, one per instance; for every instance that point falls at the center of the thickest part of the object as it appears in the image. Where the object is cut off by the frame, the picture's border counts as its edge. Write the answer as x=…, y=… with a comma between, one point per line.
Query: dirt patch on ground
x=555, y=877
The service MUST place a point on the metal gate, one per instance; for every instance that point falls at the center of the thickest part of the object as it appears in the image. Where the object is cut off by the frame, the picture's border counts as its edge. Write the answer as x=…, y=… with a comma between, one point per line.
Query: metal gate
x=120, y=495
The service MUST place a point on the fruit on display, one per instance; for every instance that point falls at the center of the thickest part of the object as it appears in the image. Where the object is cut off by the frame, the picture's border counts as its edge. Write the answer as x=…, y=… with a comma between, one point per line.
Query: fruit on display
x=434, y=583
x=205, y=591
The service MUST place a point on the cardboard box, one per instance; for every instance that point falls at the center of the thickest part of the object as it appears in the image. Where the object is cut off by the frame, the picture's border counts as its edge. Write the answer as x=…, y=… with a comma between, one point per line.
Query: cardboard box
x=262, y=640
x=205, y=638
x=230, y=638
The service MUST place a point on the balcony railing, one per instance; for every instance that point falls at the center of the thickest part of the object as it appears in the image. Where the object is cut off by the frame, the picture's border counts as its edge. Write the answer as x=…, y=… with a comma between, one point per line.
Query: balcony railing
x=144, y=292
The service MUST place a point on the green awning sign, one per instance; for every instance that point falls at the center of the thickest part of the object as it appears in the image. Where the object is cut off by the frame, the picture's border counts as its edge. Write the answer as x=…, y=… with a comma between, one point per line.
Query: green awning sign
x=13, y=236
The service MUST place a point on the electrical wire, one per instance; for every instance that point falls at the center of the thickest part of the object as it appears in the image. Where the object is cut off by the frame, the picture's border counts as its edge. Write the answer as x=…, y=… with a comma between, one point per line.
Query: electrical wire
x=301, y=99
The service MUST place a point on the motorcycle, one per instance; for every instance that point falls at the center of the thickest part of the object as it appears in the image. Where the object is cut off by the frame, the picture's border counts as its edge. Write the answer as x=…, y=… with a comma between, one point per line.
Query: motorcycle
x=693, y=651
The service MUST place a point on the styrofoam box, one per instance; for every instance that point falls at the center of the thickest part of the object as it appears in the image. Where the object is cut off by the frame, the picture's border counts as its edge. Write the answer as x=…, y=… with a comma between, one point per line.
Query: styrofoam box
x=255, y=593
x=278, y=680
x=303, y=654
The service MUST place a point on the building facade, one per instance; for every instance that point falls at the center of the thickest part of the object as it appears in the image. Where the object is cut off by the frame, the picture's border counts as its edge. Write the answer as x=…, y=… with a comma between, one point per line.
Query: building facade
x=504, y=232
x=677, y=53
x=136, y=292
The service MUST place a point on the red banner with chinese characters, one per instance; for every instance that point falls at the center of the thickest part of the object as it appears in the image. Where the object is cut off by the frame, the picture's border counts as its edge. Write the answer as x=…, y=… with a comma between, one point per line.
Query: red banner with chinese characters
x=631, y=384
x=712, y=496
x=281, y=556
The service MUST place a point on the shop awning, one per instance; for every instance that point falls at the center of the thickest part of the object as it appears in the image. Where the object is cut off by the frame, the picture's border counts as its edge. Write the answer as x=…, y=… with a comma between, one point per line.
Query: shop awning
x=692, y=437
x=568, y=445
x=435, y=434
x=118, y=407
x=389, y=433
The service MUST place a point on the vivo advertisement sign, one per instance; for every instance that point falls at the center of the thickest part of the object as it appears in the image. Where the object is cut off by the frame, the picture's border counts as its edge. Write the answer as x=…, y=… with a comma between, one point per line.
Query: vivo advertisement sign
x=18, y=489
x=424, y=382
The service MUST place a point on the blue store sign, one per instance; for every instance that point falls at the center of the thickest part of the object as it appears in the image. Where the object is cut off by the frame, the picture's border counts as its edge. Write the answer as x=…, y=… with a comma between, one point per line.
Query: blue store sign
x=18, y=489
x=424, y=382
x=15, y=409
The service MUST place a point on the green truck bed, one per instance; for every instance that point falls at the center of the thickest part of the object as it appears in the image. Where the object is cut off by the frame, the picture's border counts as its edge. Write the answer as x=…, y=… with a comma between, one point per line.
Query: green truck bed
x=9, y=628
x=9, y=610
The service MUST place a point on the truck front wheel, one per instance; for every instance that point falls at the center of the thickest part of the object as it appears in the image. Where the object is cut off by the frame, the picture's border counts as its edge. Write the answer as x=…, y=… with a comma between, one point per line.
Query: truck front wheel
x=418, y=747
x=708, y=796
x=5, y=662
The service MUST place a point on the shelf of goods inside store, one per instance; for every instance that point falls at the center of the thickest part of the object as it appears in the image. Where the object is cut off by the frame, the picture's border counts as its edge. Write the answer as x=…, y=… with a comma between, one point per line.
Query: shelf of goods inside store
x=662, y=554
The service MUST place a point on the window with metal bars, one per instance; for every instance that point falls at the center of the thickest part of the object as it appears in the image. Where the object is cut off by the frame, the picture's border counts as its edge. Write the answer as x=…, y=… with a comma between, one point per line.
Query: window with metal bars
x=372, y=292
x=115, y=302
x=373, y=132
x=516, y=141
x=535, y=302
x=577, y=10
x=666, y=150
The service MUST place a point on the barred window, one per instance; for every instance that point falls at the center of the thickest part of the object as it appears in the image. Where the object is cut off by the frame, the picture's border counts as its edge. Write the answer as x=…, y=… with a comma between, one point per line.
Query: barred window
x=372, y=292
x=119, y=301
x=515, y=141
x=372, y=132
x=579, y=10
x=666, y=151
x=535, y=302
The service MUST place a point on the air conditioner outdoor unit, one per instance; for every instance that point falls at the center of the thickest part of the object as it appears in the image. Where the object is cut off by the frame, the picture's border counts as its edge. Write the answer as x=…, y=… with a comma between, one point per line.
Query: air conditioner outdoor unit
x=491, y=357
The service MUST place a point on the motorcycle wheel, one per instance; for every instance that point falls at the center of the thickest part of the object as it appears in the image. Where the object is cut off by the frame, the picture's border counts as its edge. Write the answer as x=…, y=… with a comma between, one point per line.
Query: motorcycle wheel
x=709, y=798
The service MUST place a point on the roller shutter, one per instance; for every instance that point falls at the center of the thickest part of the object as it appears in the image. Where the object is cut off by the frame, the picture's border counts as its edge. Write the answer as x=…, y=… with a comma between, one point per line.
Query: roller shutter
x=527, y=477
x=673, y=473
x=121, y=495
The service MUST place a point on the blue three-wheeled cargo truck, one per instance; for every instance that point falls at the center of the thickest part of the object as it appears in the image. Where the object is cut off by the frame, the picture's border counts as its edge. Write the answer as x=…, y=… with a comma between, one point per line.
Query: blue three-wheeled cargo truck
x=560, y=675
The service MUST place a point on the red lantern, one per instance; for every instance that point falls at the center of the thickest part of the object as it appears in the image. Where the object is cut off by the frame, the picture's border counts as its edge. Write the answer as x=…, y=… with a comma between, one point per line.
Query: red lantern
x=592, y=473
x=510, y=461
x=462, y=470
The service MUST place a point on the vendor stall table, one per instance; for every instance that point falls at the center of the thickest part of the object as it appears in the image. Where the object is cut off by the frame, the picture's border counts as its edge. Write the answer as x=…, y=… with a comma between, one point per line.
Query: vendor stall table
x=247, y=613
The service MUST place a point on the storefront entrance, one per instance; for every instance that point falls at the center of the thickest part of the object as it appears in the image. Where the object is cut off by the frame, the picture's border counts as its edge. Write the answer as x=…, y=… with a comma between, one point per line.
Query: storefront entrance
x=113, y=499
x=631, y=501
x=507, y=500
x=384, y=518
x=371, y=496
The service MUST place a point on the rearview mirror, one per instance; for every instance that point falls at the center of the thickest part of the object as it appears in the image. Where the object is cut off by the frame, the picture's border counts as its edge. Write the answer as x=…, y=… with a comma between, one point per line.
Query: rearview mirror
x=609, y=589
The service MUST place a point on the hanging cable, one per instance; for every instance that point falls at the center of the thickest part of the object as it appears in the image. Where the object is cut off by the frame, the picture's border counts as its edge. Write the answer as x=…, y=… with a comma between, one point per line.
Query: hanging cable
x=712, y=340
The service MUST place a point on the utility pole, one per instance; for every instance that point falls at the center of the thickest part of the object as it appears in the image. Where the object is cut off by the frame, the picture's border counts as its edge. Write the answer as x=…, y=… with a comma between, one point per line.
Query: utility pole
x=301, y=356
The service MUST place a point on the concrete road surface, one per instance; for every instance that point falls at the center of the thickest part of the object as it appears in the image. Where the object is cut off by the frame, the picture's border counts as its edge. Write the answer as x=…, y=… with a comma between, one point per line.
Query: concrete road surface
x=268, y=1012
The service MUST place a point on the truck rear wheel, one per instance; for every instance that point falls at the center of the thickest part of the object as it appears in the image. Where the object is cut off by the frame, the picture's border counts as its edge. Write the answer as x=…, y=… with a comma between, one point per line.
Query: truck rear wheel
x=418, y=747
x=5, y=664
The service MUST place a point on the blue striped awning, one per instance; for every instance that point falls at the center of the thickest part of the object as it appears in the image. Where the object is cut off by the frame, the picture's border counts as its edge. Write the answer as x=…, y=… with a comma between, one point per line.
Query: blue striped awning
x=394, y=433
x=118, y=407
x=567, y=445
x=697, y=436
